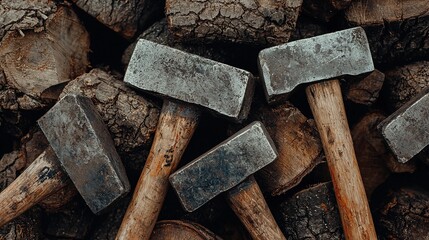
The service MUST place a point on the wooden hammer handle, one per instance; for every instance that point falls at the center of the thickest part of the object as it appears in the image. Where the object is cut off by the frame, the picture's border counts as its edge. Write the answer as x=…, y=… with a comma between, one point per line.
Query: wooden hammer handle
x=42, y=178
x=327, y=105
x=249, y=205
x=176, y=125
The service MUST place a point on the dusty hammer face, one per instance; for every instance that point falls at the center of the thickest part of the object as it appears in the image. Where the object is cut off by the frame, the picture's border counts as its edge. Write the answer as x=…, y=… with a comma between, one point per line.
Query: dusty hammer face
x=86, y=151
x=406, y=130
x=169, y=72
x=224, y=166
x=323, y=57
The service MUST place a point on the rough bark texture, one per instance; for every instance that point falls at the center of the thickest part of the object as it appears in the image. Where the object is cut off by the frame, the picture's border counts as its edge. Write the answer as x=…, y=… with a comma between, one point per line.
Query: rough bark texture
x=402, y=83
x=371, y=151
x=130, y=118
x=124, y=17
x=398, y=30
x=405, y=214
x=246, y=21
x=297, y=142
x=365, y=90
x=324, y=9
x=310, y=214
x=73, y=222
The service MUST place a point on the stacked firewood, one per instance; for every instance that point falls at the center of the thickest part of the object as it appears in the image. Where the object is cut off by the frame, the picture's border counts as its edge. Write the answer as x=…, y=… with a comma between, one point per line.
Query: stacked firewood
x=50, y=49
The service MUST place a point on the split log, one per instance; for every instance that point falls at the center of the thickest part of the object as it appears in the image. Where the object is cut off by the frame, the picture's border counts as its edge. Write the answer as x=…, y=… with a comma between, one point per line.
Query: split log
x=371, y=151
x=397, y=29
x=324, y=9
x=242, y=21
x=130, y=118
x=365, y=90
x=181, y=230
x=404, y=214
x=124, y=17
x=297, y=142
x=310, y=214
x=307, y=27
x=404, y=82
x=73, y=222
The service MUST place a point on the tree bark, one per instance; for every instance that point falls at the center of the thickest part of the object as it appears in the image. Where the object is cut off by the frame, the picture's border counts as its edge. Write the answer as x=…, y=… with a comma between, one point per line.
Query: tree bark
x=130, y=118
x=397, y=29
x=297, y=142
x=404, y=214
x=244, y=21
x=324, y=9
x=123, y=17
x=310, y=214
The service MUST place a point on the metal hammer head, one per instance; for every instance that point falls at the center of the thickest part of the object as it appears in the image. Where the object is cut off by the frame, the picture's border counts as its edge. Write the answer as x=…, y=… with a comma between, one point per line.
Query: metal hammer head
x=406, y=130
x=190, y=78
x=323, y=57
x=85, y=150
x=224, y=166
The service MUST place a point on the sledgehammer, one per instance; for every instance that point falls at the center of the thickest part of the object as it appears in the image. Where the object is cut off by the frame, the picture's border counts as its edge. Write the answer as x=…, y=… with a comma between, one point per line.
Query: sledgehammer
x=191, y=81
x=311, y=60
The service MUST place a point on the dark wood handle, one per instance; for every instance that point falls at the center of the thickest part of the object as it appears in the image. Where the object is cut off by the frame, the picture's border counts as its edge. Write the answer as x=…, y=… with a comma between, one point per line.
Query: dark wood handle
x=42, y=178
x=177, y=123
x=249, y=205
x=327, y=106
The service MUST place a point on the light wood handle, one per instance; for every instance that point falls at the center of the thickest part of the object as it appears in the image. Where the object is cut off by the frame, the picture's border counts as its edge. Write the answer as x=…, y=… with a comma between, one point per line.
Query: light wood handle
x=249, y=205
x=327, y=106
x=42, y=178
x=177, y=123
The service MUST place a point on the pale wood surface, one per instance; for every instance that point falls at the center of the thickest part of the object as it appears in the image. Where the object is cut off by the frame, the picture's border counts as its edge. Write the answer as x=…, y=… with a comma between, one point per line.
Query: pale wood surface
x=181, y=230
x=42, y=178
x=176, y=126
x=248, y=203
x=326, y=103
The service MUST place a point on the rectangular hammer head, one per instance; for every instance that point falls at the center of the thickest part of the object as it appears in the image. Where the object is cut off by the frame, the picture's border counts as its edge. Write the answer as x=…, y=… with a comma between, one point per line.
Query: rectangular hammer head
x=323, y=57
x=190, y=78
x=406, y=130
x=224, y=166
x=84, y=147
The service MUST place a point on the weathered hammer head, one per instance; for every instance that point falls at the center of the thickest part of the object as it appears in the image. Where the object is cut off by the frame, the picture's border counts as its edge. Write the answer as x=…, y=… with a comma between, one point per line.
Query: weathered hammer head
x=190, y=78
x=224, y=166
x=406, y=130
x=85, y=150
x=323, y=57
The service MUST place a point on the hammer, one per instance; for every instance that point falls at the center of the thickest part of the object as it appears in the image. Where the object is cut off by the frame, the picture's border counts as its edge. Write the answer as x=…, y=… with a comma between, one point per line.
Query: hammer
x=228, y=168
x=406, y=130
x=81, y=146
x=325, y=57
x=190, y=80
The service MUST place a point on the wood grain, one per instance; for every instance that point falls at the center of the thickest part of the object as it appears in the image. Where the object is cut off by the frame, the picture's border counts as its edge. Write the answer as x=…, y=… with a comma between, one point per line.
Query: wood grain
x=176, y=126
x=181, y=230
x=248, y=203
x=42, y=178
x=326, y=103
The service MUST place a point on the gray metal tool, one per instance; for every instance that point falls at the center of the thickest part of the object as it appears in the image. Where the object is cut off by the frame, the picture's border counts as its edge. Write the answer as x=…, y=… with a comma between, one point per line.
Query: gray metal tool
x=228, y=168
x=324, y=57
x=186, y=81
x=406, y=130
x=80, y=147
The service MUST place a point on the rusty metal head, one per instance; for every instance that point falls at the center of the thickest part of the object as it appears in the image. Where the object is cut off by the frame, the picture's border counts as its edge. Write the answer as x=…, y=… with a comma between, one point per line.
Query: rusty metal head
x=224, y=166
x=323, y=57
x=190, y=78
x=86, y=151
x=406, y=130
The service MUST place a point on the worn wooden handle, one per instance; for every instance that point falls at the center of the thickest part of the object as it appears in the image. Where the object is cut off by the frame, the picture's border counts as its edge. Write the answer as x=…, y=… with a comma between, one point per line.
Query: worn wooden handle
x=249, y=205
x=42, y=178
x=327, y=106
x=176, y=125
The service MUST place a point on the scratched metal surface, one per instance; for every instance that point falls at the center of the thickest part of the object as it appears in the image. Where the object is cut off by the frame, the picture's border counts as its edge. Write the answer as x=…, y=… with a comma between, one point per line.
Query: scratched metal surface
x=86, y=151
x=327, y=56
x=406, y=131
x=224, y=166
x=166, y=71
